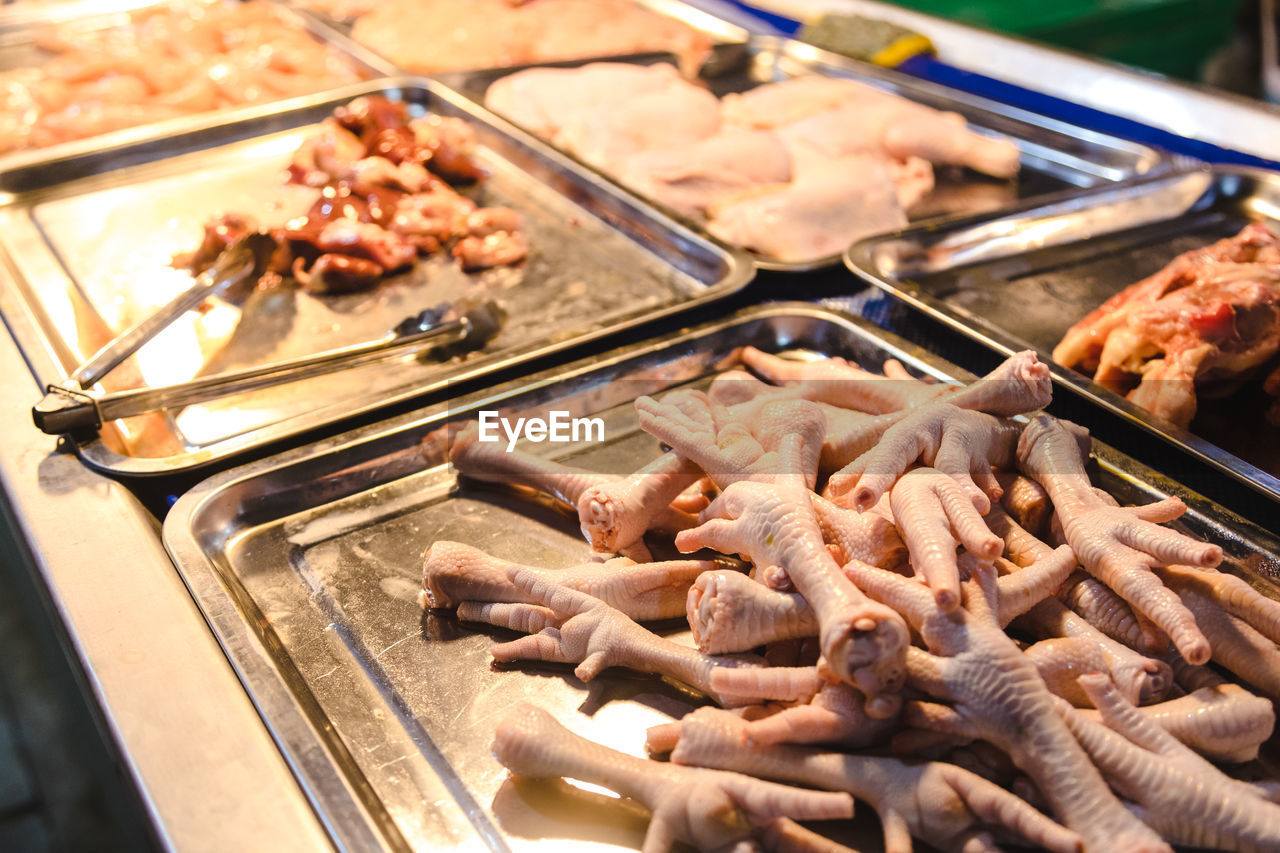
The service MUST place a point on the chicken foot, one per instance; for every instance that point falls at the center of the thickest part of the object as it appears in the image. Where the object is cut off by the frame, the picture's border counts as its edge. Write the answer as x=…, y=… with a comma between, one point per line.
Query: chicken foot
x=614, y=511
x=775, y=525
x=961, y=443
x=595, y=636
x=995, y=694
x=1223, y=722
x=870, y=537
x=728, y=612
x=709, y=809
x=943, y=805
x=1118, y=545
x=1140, y=678
x=454, y=572
x=1019, y=385
x=934, y=515
x=1179, y=793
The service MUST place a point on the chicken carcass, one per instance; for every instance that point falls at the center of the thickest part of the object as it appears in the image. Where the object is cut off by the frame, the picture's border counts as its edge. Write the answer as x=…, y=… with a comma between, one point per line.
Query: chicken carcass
x=1198, y=327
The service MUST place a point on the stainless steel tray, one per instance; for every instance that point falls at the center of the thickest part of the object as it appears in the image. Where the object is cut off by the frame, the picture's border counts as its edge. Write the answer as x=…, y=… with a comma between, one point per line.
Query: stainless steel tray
x=307, y=565
x=18, y=50
x=85, y=257
x=1021, y=280
x=1055, y=156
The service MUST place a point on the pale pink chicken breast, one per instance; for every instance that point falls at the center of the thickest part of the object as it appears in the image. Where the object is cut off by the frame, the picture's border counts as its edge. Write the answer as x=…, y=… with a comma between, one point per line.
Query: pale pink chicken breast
x=874, y=121
x=609, y=136
x=818, y=215
x=695, y=177
x=776, y=104
x=543, y=100
x=426, y=36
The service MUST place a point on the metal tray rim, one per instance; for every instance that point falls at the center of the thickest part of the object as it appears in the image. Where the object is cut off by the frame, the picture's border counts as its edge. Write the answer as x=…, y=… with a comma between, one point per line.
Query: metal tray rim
x=738, y=274
x=858, y=259
x=253, y=664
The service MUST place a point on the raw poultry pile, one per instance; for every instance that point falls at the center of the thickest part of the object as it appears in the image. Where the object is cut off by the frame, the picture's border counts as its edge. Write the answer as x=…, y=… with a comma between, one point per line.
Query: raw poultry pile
x=171, y=61
x=384, y=197
x=1201, y=327
x=428, y=36
x=905, y=636
x=795, y=170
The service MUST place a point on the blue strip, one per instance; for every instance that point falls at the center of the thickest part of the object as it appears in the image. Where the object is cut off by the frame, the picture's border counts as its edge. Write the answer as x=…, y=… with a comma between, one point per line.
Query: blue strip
x=786, y=26
x=932, y=69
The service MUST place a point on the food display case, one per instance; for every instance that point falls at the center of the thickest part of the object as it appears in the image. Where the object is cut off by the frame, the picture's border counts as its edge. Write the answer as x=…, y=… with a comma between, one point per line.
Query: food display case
x=250, y=353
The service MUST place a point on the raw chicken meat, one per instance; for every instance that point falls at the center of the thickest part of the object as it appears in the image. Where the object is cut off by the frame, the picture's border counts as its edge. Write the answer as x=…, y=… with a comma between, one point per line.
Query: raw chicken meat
x=800, y=169
x=544, y=100
x=876, y=122
x=427, y=36
x=817, y=215
x=700, y=176
x=992, y=661
x=1199, y=327
x=678, y=115
x=710, y=809
x=169, y=61
x=775, y=105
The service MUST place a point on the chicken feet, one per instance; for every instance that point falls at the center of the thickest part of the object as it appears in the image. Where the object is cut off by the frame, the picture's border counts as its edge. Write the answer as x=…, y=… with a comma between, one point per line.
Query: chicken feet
x=933, y=512
x=1118, y=545
x=775, y=525
x=1179, y=793
x=728, y=612
x=939, y=803
x=596, y=636
x=454, y=572
x=997, y=695
x=961, y=443
x=710, y=809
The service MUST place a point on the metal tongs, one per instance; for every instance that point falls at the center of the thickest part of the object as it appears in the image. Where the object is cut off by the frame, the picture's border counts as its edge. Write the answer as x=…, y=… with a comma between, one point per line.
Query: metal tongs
x=71, y=406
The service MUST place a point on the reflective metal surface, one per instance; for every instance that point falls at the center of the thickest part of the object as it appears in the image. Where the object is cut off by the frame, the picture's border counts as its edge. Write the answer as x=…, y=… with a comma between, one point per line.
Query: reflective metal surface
x=1054, y=155
x=1020, y=280
x=307, y=566
x=89, y=257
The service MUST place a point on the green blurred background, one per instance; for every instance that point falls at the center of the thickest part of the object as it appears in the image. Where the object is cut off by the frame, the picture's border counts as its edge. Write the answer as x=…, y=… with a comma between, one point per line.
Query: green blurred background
x=1173, y=37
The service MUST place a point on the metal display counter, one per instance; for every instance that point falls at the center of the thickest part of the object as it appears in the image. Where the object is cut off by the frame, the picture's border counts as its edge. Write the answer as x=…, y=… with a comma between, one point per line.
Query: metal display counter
x=209, y=774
